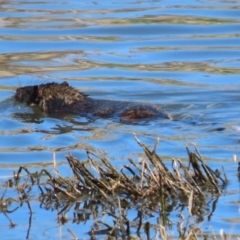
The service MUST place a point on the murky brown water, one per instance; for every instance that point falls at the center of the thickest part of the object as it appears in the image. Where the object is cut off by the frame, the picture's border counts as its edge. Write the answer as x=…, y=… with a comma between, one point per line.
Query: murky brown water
x=183, y=57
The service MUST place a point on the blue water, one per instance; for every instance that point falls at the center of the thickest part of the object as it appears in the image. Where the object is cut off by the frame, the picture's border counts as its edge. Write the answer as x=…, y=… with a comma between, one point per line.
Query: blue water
x=182, y=56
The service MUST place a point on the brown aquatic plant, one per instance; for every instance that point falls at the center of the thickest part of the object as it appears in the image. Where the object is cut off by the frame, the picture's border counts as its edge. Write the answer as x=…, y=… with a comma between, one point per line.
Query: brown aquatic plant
x=151, y=184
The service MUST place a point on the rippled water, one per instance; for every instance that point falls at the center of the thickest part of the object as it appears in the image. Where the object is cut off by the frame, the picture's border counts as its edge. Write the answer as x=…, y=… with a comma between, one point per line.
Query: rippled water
x=182, y=57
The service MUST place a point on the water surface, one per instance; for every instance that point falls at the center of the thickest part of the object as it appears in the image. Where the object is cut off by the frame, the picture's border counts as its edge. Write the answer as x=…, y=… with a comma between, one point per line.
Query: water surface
x=184, y=57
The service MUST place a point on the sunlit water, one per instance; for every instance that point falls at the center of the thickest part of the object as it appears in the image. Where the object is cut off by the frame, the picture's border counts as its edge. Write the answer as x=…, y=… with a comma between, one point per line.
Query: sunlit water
x=182, y=57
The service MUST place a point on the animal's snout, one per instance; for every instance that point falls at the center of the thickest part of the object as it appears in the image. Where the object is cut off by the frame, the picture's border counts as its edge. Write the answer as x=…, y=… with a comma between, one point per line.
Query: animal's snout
x=19, y=95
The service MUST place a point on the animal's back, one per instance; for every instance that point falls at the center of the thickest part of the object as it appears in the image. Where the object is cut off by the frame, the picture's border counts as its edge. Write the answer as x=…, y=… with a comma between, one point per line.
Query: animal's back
x=54, y=97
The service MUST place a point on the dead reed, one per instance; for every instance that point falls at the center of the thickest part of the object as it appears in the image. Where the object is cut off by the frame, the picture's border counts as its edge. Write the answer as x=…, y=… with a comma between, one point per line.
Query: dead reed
x=151, y=186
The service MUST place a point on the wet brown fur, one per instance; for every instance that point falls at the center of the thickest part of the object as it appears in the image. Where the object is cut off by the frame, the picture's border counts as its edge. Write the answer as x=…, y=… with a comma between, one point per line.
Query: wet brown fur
x=54, y=97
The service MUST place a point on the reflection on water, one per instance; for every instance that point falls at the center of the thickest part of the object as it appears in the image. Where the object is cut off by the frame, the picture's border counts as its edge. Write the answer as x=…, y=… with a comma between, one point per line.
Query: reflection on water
x=182, y=57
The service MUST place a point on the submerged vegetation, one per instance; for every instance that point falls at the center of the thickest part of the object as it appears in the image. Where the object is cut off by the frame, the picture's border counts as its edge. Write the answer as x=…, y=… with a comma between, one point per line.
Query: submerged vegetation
x=149, y=187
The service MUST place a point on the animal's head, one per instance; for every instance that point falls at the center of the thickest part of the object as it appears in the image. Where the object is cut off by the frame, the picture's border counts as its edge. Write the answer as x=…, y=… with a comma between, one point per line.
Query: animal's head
x=27, y=94
x=49, y=97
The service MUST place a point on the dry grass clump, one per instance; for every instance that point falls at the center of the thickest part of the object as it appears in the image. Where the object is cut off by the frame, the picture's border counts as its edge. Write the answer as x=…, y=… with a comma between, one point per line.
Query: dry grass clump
x=146, y=178
x=150, y=186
